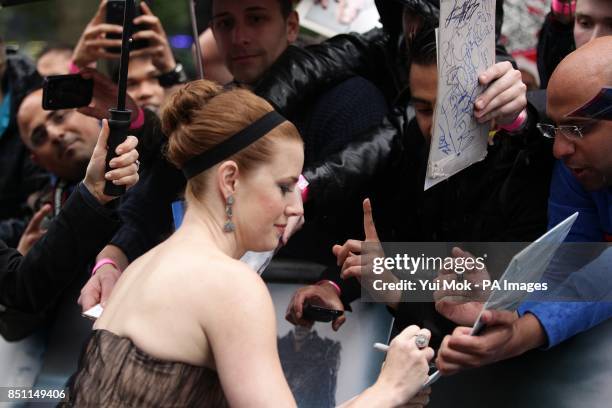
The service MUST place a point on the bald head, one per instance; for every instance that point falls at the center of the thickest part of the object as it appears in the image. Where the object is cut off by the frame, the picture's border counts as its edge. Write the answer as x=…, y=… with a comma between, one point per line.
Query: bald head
x=580, y=76
x=577, y=79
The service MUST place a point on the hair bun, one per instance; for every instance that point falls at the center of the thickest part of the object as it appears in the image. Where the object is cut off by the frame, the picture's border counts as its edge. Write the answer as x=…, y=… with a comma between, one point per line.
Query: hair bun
x=184, y=104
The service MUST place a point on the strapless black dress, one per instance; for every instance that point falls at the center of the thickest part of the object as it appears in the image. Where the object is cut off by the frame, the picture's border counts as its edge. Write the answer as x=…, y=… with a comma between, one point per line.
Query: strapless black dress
x=113, y=372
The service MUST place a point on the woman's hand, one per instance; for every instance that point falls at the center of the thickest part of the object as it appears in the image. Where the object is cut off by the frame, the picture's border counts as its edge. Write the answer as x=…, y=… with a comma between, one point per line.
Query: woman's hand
x=124, y=167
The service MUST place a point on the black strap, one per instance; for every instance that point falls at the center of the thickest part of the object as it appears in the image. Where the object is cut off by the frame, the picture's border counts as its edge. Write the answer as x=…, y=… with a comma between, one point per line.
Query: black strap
x=233, y=145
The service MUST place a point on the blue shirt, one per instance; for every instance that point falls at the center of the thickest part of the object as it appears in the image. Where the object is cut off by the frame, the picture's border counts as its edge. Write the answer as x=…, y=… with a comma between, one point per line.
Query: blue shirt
x=562, y=320
x=5, y=113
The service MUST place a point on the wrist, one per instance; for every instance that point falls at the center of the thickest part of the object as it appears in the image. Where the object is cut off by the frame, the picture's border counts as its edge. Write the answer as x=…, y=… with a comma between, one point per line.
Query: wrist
x=173, y=76
x=517, y=124
x=102, y=263
x=77, y=64
x=101, y=198
x=529, y=328
x=378, y=395
x=166, y=65
x=138, y=121
x=330, y=285
x=385, y=395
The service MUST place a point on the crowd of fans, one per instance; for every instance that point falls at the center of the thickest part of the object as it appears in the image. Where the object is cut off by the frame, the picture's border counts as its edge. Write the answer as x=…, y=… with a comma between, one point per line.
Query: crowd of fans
x=333, y=138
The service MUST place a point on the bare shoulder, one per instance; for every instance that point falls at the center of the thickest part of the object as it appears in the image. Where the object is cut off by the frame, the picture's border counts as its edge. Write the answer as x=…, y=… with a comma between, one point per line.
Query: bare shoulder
x=225, y=282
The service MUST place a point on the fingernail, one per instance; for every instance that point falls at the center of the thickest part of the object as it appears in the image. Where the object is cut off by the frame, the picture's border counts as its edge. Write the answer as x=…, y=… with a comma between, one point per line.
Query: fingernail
x=479, y=103
x=108, y=175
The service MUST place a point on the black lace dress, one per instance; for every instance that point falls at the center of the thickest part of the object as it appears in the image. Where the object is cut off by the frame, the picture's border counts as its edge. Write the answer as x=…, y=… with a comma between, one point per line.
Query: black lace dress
x=113, y=372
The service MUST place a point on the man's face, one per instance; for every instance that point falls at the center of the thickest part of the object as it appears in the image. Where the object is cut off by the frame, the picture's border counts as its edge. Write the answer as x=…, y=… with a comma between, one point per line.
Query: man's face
x=60, y=141
x=251, y=35
x=593, y=19
x=424, y=89
x=589, y=158
x=143, y=84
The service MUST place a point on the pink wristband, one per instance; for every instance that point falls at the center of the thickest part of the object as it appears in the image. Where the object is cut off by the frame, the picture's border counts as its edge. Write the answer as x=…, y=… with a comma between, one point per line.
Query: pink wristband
x=303, y=186
x=73, y=69
x=139, y=121
x=518, y=122
x=101, y=263
x=562, y=8
x=334, y=284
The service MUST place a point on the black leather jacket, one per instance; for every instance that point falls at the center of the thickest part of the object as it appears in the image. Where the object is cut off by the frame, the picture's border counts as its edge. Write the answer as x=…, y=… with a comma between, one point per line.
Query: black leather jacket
x=19, y=177
x=378, y=55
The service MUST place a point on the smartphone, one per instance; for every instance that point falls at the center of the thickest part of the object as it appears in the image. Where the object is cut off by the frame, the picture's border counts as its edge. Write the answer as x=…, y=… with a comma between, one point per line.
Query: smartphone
x=115, y=10
x=66, y=92
x=320, y=314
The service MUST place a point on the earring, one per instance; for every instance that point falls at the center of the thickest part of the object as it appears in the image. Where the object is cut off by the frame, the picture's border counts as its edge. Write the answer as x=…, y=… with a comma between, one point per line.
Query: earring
x=229, y=225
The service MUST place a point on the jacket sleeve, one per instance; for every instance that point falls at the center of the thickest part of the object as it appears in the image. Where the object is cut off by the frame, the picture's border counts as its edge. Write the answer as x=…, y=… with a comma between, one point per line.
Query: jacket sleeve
x=30, y=285
x=145, y=209
x=347, y=172
x=301, y=73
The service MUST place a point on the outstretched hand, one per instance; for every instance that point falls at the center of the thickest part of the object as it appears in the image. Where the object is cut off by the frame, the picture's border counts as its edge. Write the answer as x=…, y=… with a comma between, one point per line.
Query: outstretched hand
x=350, y=255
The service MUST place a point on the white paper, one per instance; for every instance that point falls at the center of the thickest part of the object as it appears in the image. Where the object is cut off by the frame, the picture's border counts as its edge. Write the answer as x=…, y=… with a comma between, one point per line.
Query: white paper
x=94, y=313
x=258, y=261
x=527, y=266
x=466, y=48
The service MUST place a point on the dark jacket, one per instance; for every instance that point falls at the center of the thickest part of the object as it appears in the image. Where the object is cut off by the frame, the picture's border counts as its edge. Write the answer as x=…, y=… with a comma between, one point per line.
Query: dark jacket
x=555, y=42
x=19, y=177
x=500, y=199
x=325, y=124
x=379, y=55
x=30, y=286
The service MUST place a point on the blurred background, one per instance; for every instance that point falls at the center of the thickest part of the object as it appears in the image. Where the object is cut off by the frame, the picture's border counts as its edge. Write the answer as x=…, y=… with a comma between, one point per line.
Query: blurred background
x=31, y=27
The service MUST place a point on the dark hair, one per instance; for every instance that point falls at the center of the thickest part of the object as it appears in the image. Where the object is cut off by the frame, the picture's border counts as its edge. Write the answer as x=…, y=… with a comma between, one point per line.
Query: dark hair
x=428, y=10
x=422, y=48
x=286, y=7
x=202, y=115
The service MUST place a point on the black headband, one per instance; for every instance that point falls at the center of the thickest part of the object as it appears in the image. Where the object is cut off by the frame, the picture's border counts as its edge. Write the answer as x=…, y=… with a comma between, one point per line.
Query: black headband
x=233, y=145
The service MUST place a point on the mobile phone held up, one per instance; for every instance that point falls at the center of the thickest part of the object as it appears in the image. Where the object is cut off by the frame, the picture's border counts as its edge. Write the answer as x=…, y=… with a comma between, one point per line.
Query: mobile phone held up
x=320, y=314
x=66, y=92
x=114, y=15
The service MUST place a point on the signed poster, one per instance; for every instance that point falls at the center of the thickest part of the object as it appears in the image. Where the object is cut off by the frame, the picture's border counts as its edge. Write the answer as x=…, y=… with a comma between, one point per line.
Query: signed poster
x=466, y=48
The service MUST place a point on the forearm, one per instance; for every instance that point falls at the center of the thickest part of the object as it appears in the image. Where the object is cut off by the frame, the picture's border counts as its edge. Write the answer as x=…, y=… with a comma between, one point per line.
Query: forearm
x=373, y=397
x=32, y=283
x=529, y=335
x=348, y=172
x=558, y=321
x=115, y=254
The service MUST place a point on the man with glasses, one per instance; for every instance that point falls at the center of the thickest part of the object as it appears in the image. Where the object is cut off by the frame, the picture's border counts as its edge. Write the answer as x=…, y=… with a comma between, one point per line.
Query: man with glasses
x=582, y=182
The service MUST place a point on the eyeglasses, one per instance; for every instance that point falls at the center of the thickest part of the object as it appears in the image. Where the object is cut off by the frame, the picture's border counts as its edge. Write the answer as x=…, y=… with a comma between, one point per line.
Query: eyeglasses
x=571, y=132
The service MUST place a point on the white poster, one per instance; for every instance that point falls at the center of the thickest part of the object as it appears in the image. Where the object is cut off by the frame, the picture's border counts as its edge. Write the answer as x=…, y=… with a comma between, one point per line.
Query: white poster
x=466, y=48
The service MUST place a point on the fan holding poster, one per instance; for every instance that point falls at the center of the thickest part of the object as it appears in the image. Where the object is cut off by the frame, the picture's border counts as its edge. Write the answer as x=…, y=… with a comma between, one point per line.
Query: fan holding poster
x=466, y=48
